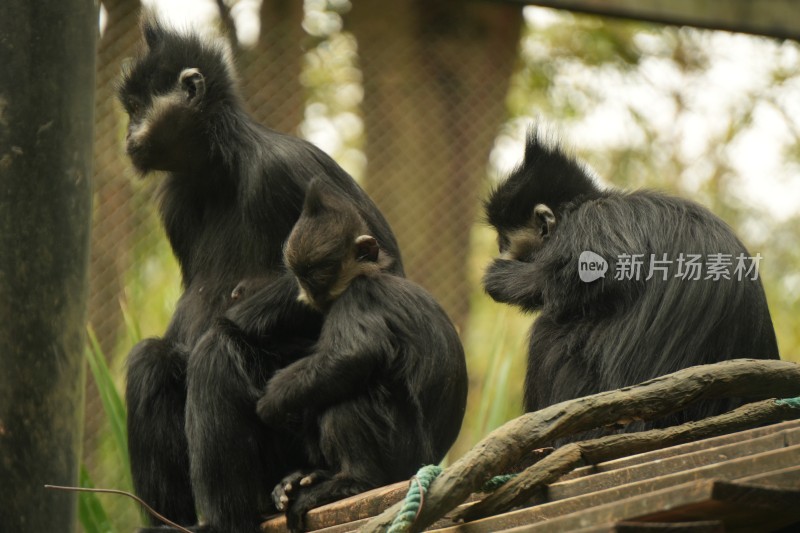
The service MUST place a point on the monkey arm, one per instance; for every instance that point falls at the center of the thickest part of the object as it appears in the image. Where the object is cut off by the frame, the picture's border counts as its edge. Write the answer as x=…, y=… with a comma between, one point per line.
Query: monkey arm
x=316, y=381
x=274, y=308
x=355, y=343
x=515, y=282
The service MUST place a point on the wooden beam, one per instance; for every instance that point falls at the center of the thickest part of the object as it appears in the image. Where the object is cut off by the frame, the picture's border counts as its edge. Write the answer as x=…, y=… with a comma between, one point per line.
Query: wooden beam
x=682, y=449
x=773, y=18
x=772, y=469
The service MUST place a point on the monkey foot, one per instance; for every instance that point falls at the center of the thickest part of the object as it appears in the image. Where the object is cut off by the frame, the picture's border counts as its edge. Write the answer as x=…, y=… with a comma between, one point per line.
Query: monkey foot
x=289, y=486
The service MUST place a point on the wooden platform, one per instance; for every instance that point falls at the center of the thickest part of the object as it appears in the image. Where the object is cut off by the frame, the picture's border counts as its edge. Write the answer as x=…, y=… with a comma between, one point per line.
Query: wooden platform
x=746, y=481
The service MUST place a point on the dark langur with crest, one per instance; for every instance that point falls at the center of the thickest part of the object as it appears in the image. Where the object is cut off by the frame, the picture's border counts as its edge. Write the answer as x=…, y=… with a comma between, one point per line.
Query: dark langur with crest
x=384, y=390
x=613, y=331
x=230, y=192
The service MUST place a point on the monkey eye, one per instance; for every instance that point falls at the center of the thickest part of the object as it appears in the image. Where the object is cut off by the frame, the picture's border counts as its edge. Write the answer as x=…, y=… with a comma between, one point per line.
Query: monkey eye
x=133, y=107
x=325, y=267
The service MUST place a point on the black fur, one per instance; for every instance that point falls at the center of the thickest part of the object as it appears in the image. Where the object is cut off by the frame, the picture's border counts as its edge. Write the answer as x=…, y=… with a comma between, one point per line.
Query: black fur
x=385, y=389
x=231, y=193
x=603, y=335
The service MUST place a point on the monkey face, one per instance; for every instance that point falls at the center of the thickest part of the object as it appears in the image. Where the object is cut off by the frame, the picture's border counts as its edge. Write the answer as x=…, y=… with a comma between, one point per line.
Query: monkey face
x=318, y=282
x=329, y=247
x=164, y=130
x=522, y=243
x=317, y=252
x=172, y=92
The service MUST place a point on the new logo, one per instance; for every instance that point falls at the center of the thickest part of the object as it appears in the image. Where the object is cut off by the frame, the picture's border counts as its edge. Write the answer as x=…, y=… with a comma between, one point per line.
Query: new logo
x=591, y=266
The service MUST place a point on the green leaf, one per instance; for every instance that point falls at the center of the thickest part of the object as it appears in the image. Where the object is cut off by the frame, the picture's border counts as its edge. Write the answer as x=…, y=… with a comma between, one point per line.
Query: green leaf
x=111, y=400
x=91, y=513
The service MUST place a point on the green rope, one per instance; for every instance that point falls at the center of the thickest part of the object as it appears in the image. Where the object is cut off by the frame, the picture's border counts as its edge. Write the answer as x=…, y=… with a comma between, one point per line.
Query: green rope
x=416, y=495
x=413, y=502
x=496, y=482
x=791, y=402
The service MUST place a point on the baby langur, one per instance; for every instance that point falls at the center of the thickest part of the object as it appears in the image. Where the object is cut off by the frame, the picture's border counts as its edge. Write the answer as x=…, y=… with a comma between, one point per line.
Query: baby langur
x=385, y=388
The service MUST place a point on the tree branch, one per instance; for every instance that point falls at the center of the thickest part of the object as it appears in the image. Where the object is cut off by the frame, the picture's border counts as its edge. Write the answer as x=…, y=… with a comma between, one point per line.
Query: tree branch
x=506, y=445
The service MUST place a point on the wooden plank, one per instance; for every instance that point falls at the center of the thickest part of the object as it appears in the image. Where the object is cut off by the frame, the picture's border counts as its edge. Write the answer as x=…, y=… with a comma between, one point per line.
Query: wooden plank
x=345, y=527
x=740, y=507
x=728, y=470
x=571, y=488
x=348, y=514
x=704, y=526
x=689, y=447
x=732, y=469
x=619, y=510
x=787, y=478
x=356, y=507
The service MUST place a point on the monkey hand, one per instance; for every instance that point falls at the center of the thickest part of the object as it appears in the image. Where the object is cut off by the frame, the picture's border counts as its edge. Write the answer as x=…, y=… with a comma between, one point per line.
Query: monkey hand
x=272, y=406
x=515, y=282
x=269, y=410
x=498, y=277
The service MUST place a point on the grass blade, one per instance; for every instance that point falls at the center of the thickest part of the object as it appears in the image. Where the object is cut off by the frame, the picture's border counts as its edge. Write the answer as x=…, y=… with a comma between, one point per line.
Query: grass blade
x=91, y=513
x=111, y=400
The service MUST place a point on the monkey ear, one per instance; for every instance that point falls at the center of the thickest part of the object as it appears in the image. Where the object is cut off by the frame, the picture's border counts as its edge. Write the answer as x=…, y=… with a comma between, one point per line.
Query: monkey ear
x=193, y=85
x=367, y=248
x=544, y=220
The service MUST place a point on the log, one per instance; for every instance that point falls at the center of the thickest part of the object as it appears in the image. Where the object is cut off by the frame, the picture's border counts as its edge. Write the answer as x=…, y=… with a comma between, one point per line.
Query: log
x=666, y=394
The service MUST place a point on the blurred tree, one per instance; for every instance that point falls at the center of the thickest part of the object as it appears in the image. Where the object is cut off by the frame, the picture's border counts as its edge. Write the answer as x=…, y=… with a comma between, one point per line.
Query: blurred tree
x=47, y=62
x=270, y=70
x=114, y=220
x=435, y=77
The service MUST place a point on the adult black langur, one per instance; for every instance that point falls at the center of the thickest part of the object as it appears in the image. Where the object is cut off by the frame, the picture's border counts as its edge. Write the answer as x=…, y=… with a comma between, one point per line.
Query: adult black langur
x=230, y=193
x=643, y=317
x=385, y=388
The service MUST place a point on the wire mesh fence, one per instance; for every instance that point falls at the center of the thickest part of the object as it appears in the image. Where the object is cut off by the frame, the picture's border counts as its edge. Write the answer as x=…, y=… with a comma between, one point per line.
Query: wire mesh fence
x=410, y=97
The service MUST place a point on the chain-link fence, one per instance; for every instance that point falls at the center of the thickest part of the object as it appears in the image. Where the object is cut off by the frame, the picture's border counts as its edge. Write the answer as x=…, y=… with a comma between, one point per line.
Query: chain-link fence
x=408, y=96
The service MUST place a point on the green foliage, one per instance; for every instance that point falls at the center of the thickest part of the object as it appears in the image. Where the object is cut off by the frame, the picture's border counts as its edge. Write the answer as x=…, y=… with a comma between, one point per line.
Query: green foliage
x=113, y=405
x=496, y=348
x=493, y=408
x=91, y=513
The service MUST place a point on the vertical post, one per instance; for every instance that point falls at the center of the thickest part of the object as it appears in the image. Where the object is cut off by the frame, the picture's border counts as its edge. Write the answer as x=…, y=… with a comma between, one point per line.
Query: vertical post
x=47, y=64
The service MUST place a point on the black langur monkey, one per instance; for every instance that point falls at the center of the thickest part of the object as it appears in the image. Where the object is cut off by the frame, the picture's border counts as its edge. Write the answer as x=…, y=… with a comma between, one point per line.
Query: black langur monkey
x=603, y=333
x=385, y=389
x=230, y=193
